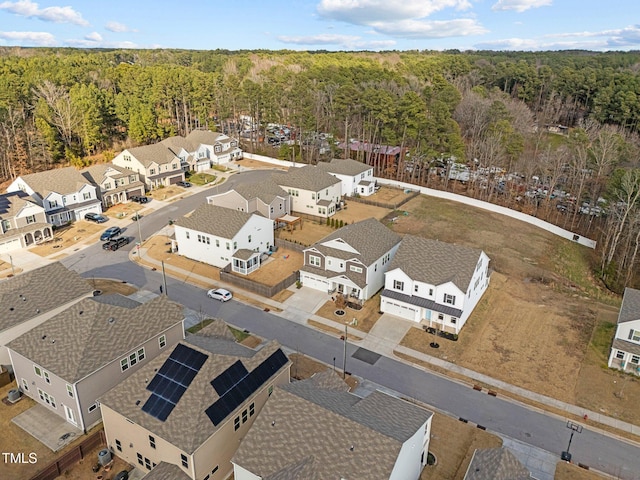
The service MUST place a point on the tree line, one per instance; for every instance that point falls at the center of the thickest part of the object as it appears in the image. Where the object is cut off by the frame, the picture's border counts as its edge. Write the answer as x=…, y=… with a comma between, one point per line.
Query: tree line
x=489, y=110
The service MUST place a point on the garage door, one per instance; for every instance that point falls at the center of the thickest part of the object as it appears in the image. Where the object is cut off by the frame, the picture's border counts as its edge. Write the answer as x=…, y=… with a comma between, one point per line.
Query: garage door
x=174, y=180
x=10, y=245
x=399, y=309
x=313, y=282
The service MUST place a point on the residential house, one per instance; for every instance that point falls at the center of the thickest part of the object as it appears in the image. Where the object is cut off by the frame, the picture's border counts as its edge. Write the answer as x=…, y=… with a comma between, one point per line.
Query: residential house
x=312, y=191
x=219, y=236
x=30, y=298
x=73, y=358
x=435, y=283
x=64, y=194
x=156, y=164
x=115, y=184
x=352, y=260
x=356, y=177
x=217, y=147
x=266, y=198
x=190, y=407
x=315, y=428
x=23, y=222
x=625, y=350
x=186, y=151
x=496, y=464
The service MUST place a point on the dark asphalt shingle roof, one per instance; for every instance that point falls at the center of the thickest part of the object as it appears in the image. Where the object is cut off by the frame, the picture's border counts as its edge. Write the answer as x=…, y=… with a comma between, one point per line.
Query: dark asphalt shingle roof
x=435, y=262
x=166, y=471
x=344, y=167
x=45, y=289
x=215, y=220
x=422, y=302
x=630, y=308
x=90, y=334
x=317, y=422
x=11, y=203
x=266, y=191
x=496, y=464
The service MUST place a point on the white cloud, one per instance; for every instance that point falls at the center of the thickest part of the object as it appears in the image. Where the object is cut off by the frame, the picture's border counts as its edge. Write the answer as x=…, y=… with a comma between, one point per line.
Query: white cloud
x=431, y=29
x=365, y=12
x=29, y=9
x=343, y=41
x=87, y=42
x=519, y=5
x=41, y=39
x=118, y=27
x=93, y=37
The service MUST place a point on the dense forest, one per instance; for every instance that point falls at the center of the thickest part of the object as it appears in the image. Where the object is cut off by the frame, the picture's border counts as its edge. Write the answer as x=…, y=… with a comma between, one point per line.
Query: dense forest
x=554, y=134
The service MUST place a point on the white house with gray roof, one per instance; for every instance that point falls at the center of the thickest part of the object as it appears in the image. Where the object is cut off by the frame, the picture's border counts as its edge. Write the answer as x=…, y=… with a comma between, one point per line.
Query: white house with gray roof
x=221, y=236
x=64, y=194
x=156, y=164
x=30, y=298
x=316, y=429
x=351, y=261
x=218, y=148
x=266, y=198
x=115, y=184
x=186, y=151
x=625, y=350
x=435, y=283
x=356, y=177
x=312, y=190
x=73, y=358
x=23, y=223
x=185, y=412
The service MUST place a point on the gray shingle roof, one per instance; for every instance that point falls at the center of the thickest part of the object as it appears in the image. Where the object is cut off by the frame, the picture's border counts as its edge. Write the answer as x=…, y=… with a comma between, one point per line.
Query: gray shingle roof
x=422, y=302
x=11, y=203
x=177, y=143
x=90, y=334
x=305, y=178
x=626, y=346
x=215, y=220
x=344, y=167
x=166, y=471
x=187, y=426
x=435, y=262
x=60, y=180
x=205, y=137
x=630, y=308
x=496, y=464
x=95, y=174
x=317, y=422
x=369, y=237
x=36, y=292
x=266, y=191
x=157, y=152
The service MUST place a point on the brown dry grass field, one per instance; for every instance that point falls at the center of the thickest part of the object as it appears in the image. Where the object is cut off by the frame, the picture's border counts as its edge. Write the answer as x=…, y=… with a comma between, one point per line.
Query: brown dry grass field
x=544, y=319
x=569, y=471
x=7, y=271
x=124, y=209
x=108, y=286
x=257, y=165
x=167, y=193
x=388, y=195
x=66, y=237
x=367, y=317
x=279, y=266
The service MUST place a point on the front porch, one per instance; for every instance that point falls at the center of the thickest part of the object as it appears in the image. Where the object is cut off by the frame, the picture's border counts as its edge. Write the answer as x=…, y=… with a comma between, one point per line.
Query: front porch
x=37, y=235
x=626, y=362
x=345, y=287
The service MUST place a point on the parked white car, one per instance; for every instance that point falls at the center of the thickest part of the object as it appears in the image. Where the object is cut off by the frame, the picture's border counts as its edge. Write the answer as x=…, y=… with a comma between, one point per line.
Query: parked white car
x=220, y=294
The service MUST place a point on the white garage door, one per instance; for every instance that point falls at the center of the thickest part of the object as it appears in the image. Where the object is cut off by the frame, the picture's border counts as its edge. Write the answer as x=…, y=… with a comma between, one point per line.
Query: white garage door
x=10, y=245
x=313, y=282
x=399, y=309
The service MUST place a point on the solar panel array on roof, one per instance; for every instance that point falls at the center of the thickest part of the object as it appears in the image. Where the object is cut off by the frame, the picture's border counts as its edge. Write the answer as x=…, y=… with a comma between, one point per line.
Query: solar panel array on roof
x=5, y=200
x=244, y=387
x=172, y=380
x=227, y=379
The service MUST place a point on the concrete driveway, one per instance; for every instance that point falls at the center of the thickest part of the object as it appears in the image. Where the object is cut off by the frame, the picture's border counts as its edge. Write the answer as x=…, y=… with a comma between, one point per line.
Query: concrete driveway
x=388, y=331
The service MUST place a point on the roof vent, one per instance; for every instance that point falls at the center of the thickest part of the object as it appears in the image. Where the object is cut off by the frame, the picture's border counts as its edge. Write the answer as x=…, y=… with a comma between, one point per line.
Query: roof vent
x=24, y=299
x=11, y=309
x=137, y=402
x=352, y=448
x=44, y=336
x=80, y=312
x=53, y=341
x=273, y=424
x=37, y=310
x=111, y=319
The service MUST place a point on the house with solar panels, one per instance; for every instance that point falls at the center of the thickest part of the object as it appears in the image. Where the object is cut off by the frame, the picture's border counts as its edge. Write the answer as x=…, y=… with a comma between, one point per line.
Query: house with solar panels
x=23, y=223
x=184, y=414
x=74, y=357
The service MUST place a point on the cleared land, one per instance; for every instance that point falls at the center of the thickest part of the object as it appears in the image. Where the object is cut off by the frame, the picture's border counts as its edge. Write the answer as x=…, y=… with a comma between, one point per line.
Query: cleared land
x=544, y=319
x=279, y=266
x=257, y=165
x=66, y=237
x=388, y=195
x=366, y=317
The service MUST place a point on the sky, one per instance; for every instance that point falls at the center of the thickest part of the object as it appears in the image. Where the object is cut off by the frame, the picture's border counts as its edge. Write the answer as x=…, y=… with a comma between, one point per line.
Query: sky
x=351, y=25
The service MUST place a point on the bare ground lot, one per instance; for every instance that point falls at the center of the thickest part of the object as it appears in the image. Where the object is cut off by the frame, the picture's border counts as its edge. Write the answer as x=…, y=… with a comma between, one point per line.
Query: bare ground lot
x=124, y=210
x=279, y=266
x=255, y=164
x=388, y=195
x=543, y=318
x=167, y=193
x=66, y=237
x=7, y=271
x=366, y=317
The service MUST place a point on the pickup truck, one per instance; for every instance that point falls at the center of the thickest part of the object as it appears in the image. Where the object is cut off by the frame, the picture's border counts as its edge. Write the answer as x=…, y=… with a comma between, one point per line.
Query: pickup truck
x=115, y=243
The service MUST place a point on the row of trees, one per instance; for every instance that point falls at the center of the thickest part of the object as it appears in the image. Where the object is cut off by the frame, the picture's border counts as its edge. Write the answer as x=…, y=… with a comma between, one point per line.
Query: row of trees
x=489, y=110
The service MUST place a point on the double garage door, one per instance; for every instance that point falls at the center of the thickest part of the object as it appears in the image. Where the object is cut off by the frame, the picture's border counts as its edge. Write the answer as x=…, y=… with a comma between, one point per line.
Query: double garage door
x=10, y=245
x=400, y=309
x=312, y=281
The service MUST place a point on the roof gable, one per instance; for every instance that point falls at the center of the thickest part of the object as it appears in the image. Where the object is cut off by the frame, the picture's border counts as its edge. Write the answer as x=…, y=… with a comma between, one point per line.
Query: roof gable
x=156, y=153
x=305, y=178
x=215, y=220
x=59, y=180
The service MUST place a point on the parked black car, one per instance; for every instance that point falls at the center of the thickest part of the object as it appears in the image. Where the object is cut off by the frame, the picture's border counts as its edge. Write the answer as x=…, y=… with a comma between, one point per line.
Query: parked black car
x=115, y=243
x=139, y=198
x=183, y=184
x=95, y=217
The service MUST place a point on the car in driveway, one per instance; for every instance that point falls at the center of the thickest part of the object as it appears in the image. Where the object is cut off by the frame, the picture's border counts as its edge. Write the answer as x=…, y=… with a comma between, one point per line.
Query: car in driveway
x=220, y=294
x=95, y=217
x=139, y=199
x=183, y=184
x=115, y=243
x=110, y=233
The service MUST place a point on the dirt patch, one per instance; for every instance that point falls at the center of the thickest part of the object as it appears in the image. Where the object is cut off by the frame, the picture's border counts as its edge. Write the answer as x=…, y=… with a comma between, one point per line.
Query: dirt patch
x=355, y=211
x=389, y=195
x=6, y=270
x=279, y=266
x=84, y=469
x=108, y=286
x=65, y=237
x=304, y=367
x=282, y=295
x=251, y=341
x=569, y=471
x=122, y=210
x=366, y=317
x=453, y=443
x=169, y=193
x=255, y=164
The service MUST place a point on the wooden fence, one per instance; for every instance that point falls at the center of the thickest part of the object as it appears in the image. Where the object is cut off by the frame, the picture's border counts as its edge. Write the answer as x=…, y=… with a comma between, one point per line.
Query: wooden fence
x=256, y=287
x=73, y=456
x=391, y=206
x=281, y=243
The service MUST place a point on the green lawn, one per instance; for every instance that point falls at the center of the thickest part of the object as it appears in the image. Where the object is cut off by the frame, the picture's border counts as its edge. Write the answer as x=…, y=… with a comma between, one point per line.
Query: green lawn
x=201, y=178
x=239, y=334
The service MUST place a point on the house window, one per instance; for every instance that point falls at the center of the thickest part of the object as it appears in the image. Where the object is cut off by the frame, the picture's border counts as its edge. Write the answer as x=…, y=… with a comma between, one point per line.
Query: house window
x=440, y=317
x=118, y=445
x=635, y=359
x=133, y=358
x=313, y=196
x=45, y=374
x=162, y=341
x=152, y=171
x=37, y=370
x=634, y=335
x=620, y=355
x=152, y=442
x=450, y=299
x=217, y=243
x=236, y=423
x=228, y=246
x=53, y=203
x=415, y=288
x=185, y=462
x=271, y=209
x=245, y=415
x=127, y=158
x=46, y=398
x=92, y=407
x=141, y=354
x=249, y=238
x=454, y=320
x=174, y=166
x=355, y=269
x=398, y=285
x=187, y=235
x=214, y=470
x=86, y=196
x=70, y=390
x=25, y=385
x=147, y=463
x=124, y=364
x=6, y=225
x=140, y=461
x=252, y=409
x=31, y=219
x=107, y=186
x=314, y=260
x=208, y=240
x=235, y=245
x=431, y=292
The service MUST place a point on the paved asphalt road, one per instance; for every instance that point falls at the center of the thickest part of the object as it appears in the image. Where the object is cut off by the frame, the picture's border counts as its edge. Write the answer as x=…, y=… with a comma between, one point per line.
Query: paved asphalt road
x=617, y=458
